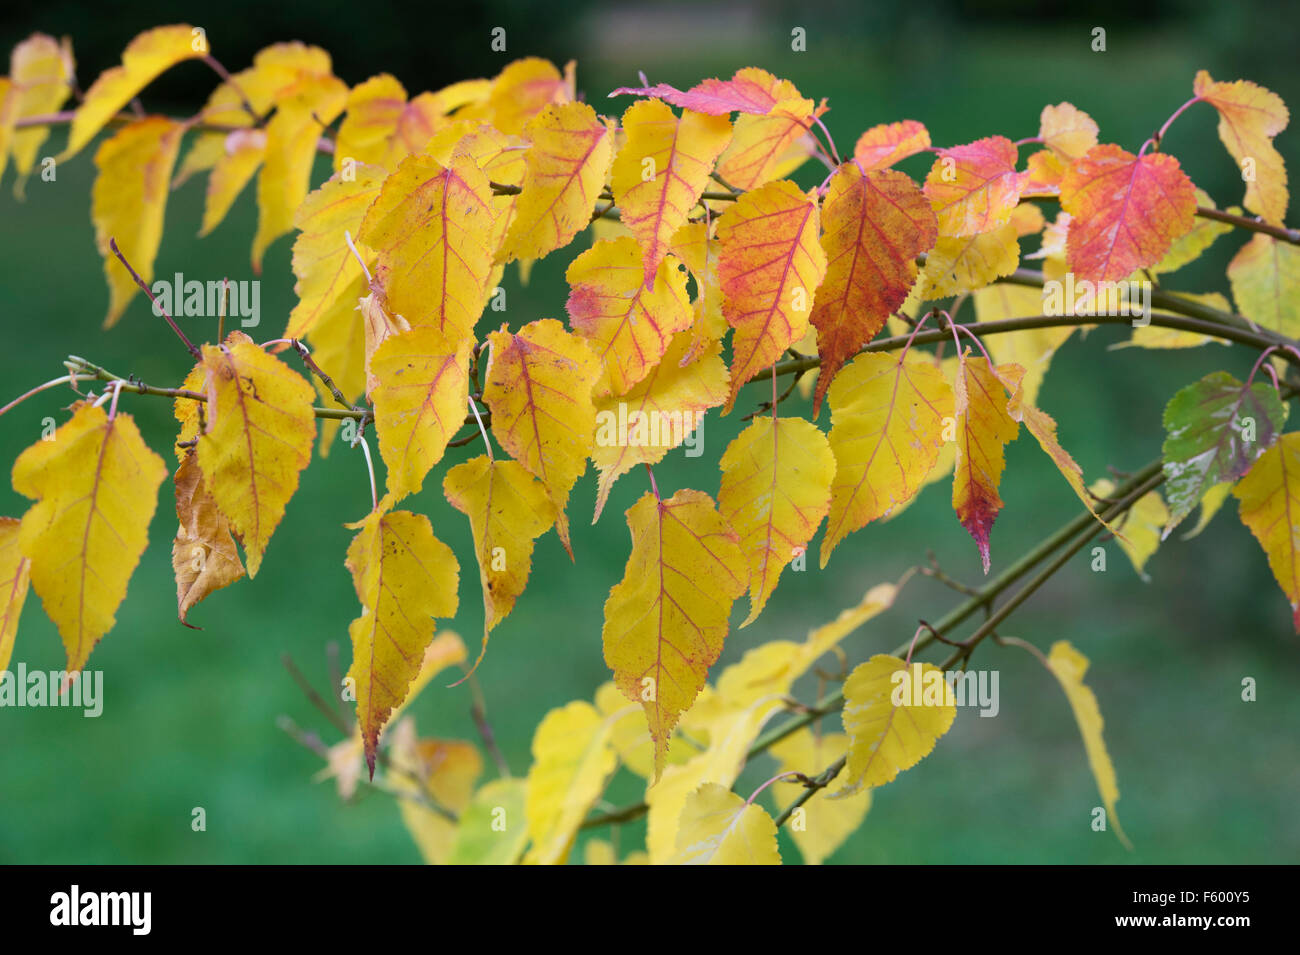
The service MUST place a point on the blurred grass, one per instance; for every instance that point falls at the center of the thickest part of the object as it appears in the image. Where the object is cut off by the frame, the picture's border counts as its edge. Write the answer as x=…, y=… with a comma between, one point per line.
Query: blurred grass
x=189, y=717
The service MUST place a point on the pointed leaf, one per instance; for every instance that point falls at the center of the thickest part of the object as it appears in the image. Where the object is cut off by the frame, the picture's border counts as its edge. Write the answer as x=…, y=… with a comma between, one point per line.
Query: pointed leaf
x=1215, y=429
x=894, y=715
x=148, y=55
x=876, y=224
x=96, y=487
x=1269, y=497
x=886, y=422
x=770, y=266
x=662, y=412
x=260, y=429
x=15, y=575
x=666, y=621
x=572, y=759
x=430, y=226
x=507, y=509
x=564, y=172
x=539, y=389
x=404, y=577
x=420, y=403
x=677, y=155
x=776, y=488
x=1249, y=117
x=1068, y=665
x=1265, y=279
x=983, y=429
x=1126, y=211
x=128, y=201
x=974, y=187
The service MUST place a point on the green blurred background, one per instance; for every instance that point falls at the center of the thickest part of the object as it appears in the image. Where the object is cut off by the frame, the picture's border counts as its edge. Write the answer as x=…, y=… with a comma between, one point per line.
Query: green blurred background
x=190, y=717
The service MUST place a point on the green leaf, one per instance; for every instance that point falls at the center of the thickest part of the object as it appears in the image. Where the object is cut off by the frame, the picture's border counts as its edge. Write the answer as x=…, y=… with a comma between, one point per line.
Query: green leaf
x=1214, y=431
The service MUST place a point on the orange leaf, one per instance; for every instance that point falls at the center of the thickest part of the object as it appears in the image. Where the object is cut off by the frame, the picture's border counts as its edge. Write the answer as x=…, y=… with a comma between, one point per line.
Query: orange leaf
x=769, y=266
x=677, y=156
x=628, y=325
x=974, y=187
x=1249, y=117
x=876, y=224
x=882, y=146
x=1126, y=211
x=983, y=429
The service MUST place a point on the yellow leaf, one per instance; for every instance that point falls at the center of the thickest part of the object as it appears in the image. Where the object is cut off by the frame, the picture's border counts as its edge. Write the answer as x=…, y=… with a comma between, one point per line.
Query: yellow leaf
x=324, y=266
x=204, y=557
x=893, y=715
x=404, y=577
x=1068, y=665
x=338, y=341
x=983, y=429
x=40, y=72
x=629, y=735
x=1210, y=504
x=420, y=402
x=776, y=488
x=242, y=154
x=128, y=201
x=507, y=509
x=970, y=263
x=539, y=389
x=382, y=127
x=260, y=429
x=564, y=171
x=887, y=417
x=1249, y=117
x=748, y=695
x=148, y=55
x=661, y=170
x=699, y=250
x=826, y=823
x=523, y=90
x=1265, y=280
x=663, y=411
x=235, y=156
x=1187, y=248
x=1269, y=496
x=572, y=759
x=491, y=829
x=666, y=621
x=627, y=324
x=1067, y=130
x=720, y=828
x=430, y=226
x=1143, y=524
x=15, y=574
x=96, y=487
x=761, y=145
x=770, y=265
x=302, y=111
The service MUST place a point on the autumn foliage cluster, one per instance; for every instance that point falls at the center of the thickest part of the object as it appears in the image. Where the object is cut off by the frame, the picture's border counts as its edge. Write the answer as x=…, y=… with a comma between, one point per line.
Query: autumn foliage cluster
x=704, y=269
